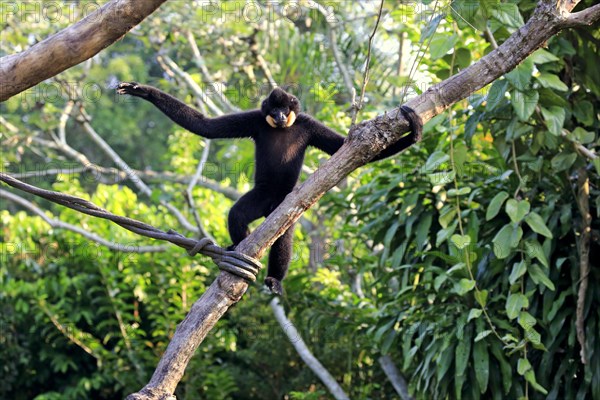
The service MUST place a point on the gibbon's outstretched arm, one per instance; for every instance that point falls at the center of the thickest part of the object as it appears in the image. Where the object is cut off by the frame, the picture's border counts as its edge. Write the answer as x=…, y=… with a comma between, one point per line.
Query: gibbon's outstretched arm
x=235, y=125
x=330, y=141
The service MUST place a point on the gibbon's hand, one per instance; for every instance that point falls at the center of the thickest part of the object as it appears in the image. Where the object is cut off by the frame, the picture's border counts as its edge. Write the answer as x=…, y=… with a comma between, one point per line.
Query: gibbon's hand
x=133, y=89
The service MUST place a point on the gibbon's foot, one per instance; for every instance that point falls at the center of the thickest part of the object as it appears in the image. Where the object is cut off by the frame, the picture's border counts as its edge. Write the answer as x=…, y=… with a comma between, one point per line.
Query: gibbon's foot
x=274, y=285
x=132, y=89
x=416, y=124
x=231, y=247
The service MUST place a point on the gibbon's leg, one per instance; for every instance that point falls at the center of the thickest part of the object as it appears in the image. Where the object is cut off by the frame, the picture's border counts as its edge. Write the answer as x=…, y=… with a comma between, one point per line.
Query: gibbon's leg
x=279, y=261
x=248, y=208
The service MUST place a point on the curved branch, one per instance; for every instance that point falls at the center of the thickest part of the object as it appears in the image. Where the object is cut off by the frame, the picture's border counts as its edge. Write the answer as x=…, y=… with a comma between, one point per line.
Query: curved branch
x=58, y=224
x=72, y=45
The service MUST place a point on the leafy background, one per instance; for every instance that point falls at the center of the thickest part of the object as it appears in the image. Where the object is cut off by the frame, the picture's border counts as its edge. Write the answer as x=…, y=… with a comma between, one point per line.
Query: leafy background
x=460, y=258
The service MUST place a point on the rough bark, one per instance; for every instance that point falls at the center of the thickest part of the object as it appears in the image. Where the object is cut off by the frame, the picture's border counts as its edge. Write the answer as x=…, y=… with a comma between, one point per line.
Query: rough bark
x=72, y=45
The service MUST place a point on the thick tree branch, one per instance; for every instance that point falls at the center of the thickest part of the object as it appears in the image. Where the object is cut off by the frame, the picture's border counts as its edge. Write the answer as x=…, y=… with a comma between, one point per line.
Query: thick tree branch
x=72, y=45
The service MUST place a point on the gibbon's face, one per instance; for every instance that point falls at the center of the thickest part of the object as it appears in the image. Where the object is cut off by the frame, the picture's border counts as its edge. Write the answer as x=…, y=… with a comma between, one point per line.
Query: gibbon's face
x=280, y=109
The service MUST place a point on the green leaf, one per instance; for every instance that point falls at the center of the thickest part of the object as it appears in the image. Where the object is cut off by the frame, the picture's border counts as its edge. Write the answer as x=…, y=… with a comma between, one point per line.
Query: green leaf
x=514, y=304
x=535, y=250
x=536, y=223
x=474, y=314
x=508, y=14
x=530, y=377
x=481, y=297
x=459, y=192
x=584, y=112
x=461, y=241
x=495, y=205
x=521, y=76
x=518, y=270
x=583, y=136
x=441, y=178
x=497, y=94
x=539, y=276
x=482, y=335
x=517, y=210
x=505, y=367
x=447, y=215
x=523, y=365
x=481, y=364
x=441, y=44
x=506, y=239
x=563, y=161
x=552, y=81
x=555, y=118
x=461, y=359
x=526, y=320
x=464, y=286
x=436, y=160
x=542, y=56
x=524, y=103
x=438, y=281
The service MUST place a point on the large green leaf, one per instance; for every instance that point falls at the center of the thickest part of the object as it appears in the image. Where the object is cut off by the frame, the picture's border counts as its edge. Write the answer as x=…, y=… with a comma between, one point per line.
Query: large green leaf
x=481, y=364
x=524, y=103
x=554, y=118
x=441, y=44
x=507, y=238
x=461, y=359
x=552, y=81
x=495, y=205
x=536, y=223
x=515, y=303
x=517, y=210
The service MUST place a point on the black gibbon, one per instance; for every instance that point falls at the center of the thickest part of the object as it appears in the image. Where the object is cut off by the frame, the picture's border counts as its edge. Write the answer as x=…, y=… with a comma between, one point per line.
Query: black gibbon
x=281, y=134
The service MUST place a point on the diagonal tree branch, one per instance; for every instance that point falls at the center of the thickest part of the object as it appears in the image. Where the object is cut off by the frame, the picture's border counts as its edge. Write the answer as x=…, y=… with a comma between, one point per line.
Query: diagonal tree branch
x=72, y=45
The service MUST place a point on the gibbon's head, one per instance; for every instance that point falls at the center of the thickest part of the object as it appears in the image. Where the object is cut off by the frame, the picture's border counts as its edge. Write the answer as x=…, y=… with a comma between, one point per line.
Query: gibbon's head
x=280, y=108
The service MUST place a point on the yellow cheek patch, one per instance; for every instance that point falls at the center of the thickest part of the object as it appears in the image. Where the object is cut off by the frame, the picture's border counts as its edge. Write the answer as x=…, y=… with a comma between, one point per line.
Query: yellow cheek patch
x=271, y=121
x=291, y=119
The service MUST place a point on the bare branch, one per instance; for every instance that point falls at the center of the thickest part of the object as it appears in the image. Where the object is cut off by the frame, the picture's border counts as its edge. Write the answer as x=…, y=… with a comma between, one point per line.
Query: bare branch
x=356, y=106
x=64, y=118
x=198, y=92
x=137, y=181
x=58, y=224
x=303, y=351
x=119, y=176
x=398, y=381
x=72, y=45
x=205, y=72
x=189, y=195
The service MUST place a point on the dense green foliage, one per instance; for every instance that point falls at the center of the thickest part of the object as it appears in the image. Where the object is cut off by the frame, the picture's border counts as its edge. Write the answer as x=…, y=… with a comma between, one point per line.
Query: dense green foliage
x=460, y=258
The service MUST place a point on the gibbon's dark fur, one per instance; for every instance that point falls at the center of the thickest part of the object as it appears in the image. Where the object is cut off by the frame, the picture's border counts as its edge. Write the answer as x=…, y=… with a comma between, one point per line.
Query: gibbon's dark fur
x=281, y=135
